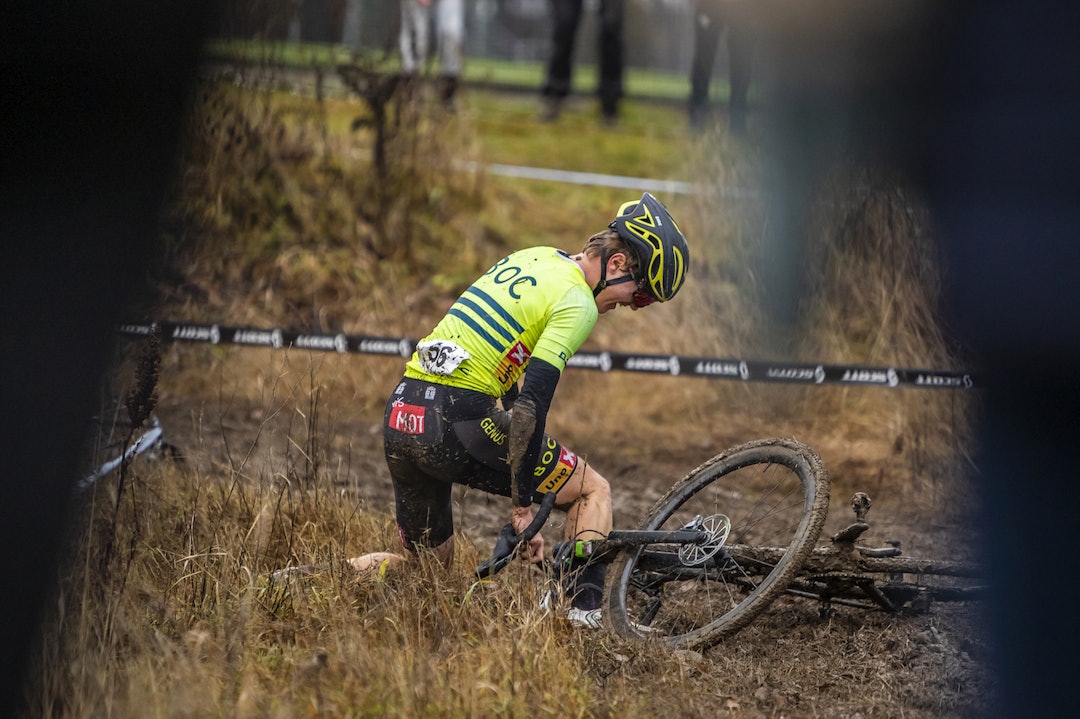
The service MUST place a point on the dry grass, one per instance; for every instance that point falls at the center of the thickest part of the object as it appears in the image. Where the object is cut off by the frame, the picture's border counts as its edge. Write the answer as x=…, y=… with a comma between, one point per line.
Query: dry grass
x=184, y=620
x=283, y=462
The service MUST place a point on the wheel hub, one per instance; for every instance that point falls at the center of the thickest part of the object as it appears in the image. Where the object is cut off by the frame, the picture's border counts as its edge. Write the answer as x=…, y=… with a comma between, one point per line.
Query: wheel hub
x=716, y=527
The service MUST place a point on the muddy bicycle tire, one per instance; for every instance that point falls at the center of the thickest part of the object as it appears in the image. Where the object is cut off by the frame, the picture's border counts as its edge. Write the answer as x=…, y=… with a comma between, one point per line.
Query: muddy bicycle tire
x=775, y=492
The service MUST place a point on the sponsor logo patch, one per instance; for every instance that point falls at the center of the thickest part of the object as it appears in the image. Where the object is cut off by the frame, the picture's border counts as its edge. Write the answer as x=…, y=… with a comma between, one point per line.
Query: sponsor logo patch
x=509, y=368
x=561, y=472
x=407, y=418
x=519, y=354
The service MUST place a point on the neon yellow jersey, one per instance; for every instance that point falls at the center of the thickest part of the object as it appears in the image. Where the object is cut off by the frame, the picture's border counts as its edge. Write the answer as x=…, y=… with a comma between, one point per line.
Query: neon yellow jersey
x=534, y=303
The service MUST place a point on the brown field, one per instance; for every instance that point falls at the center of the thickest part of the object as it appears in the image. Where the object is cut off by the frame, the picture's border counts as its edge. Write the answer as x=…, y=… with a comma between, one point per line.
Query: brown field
x=165, y=608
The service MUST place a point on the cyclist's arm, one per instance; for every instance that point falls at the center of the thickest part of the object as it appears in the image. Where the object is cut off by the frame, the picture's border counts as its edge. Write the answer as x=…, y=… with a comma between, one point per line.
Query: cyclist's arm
x=567, y=326
x=527, y=426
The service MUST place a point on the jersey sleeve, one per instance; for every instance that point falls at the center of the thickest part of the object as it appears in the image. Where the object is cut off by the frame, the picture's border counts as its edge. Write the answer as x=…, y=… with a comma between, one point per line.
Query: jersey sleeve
x=539, y=387
x=569, y=324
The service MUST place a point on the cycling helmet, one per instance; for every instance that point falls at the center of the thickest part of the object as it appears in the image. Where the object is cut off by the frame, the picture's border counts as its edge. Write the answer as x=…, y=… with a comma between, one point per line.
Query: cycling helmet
x=650, y=231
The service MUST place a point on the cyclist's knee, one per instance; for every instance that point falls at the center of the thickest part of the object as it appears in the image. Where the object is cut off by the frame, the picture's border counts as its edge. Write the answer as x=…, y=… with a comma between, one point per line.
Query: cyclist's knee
x=588, y=515
x=595, y=486
x=585, y=484
x=599, y=491
x=595, y=496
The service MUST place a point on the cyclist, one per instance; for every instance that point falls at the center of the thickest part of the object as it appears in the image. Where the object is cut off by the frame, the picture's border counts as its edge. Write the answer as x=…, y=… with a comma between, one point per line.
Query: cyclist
x=522, y=320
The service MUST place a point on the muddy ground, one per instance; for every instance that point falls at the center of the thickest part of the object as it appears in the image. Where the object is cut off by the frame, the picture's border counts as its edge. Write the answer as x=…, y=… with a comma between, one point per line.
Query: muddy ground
x=852, y=664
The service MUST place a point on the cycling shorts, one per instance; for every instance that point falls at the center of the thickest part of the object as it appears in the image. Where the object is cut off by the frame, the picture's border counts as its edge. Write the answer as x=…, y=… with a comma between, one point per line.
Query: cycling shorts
x=435, y=436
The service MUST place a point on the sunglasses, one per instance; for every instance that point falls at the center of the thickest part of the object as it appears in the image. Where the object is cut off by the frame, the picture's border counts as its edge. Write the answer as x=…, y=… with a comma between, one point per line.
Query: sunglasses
x=642, y=297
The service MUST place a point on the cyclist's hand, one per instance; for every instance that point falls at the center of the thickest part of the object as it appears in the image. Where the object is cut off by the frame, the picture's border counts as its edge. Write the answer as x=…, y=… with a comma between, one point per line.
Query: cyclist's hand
x=533, y=552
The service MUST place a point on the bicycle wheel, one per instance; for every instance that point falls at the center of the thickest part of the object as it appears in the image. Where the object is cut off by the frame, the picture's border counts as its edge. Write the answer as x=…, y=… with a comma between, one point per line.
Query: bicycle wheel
x=774, y=494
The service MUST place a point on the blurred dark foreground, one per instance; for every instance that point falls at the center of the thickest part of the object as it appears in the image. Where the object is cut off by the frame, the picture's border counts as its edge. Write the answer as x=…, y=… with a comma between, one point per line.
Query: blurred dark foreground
x=977, y=101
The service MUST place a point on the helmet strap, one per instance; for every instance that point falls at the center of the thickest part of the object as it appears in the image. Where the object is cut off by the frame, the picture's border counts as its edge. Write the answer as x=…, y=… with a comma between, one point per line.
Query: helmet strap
x=604, y=282
x=603, y=274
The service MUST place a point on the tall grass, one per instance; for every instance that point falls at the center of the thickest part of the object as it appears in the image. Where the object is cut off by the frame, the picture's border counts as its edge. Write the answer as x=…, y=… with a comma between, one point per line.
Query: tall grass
x=274, y=224
x=187, y=620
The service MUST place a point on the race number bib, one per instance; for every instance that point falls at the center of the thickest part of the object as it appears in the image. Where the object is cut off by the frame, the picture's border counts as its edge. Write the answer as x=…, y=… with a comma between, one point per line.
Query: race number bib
x=440, y=356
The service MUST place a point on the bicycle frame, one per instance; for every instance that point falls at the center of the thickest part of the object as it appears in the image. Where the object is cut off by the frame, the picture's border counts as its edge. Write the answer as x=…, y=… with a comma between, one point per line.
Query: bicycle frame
x=840, y=573
x=711, y=557
x=604, y=550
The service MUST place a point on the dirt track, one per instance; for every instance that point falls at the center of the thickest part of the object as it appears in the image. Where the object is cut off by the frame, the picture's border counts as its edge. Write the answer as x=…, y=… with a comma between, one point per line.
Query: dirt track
x=790, y=663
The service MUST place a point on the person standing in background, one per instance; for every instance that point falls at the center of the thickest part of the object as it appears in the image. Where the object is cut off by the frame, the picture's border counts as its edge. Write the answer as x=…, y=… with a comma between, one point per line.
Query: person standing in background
x=416, y=21
x=711, y=19
x=557, y=84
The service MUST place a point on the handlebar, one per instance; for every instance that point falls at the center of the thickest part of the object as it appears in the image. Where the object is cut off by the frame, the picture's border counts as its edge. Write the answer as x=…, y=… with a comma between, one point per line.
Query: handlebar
x=508, y=541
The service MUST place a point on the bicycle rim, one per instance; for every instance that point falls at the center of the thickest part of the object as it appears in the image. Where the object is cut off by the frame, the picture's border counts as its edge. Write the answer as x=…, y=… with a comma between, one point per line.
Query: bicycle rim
x=775, y=493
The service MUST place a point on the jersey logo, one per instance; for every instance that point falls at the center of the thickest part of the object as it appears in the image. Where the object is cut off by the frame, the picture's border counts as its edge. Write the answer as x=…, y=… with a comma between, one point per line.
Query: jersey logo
x=568, y=458
x=519, y=354
x=509, y=368
x=406, y=418
x=560, y=472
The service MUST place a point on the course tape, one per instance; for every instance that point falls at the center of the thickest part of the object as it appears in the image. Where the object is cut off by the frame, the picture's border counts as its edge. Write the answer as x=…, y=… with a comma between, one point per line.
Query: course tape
x=675, y=365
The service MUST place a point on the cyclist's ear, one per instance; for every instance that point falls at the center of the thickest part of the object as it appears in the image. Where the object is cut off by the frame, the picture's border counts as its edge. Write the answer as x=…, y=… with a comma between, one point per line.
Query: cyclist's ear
x=618, y=262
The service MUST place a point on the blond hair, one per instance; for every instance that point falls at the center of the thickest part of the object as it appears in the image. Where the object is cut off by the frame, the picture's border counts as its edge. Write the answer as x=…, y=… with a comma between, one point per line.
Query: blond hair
x=607, y=243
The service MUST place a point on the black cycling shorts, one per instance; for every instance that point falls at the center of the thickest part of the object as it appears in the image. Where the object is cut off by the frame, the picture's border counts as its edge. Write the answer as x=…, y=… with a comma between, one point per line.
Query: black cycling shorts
x=434, y=436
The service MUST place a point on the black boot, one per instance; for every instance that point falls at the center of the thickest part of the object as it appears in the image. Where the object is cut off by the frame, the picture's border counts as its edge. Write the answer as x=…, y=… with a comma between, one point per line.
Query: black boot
x=588, y=589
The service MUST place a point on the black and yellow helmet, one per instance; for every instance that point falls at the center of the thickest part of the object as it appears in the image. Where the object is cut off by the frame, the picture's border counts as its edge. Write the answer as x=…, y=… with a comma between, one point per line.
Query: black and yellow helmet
x=650, y=230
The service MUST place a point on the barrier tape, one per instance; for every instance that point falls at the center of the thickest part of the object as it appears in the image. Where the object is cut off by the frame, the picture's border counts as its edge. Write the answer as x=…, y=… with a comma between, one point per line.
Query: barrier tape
x=606, y=361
